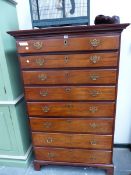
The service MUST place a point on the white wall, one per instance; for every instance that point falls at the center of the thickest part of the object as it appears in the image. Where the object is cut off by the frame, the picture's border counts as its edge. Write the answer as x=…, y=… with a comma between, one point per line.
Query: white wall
x=122, y=9
x=23, y=12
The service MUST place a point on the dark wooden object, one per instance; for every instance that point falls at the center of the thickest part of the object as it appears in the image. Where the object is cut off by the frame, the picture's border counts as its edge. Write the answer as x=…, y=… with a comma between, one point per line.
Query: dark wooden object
x=102, y=19
x=70, y=77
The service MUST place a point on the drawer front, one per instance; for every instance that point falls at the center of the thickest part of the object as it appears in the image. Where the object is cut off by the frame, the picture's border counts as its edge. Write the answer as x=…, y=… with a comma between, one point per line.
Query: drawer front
x=94, y=76
x=74, y=109
x=51, y=44
x=75, y=60
x=88, y=141
x=101, y=126
x=70, y=93
x=73, y=155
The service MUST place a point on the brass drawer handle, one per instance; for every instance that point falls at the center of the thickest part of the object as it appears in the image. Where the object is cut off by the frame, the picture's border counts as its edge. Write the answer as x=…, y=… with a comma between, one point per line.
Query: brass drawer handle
x=43, y=93
x=93, y=109
x=69, y=121
x=49, y=140
x=94, y=77
x=69, y=106
x=65, y=42
x=92, y=158
x=68, y=89
x=42, y=77
x=94, y=59
x=67, y=75
x=93, y=125
x=40, y=61
x=93, y=142
x=94, y=93
x=38, y=45
x=45, y=108
x=47, y=124
x=95, y=42
x=51, y=155
x=66, y=59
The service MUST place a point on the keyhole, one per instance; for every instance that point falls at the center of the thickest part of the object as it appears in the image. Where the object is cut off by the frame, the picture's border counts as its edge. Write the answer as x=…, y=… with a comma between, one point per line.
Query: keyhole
x=67, y=75
x=65, y=42
x=66, y=59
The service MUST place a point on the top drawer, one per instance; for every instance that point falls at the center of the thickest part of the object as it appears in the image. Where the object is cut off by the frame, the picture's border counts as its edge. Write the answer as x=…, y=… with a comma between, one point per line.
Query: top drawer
x=81, y=43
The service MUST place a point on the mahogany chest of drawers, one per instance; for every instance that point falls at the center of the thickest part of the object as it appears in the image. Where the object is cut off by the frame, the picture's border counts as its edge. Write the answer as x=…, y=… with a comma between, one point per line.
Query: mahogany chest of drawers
x=70, y=79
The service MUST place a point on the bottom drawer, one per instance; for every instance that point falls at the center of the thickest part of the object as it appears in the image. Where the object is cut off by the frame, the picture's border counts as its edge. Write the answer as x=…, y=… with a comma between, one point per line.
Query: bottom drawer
x=73, y=155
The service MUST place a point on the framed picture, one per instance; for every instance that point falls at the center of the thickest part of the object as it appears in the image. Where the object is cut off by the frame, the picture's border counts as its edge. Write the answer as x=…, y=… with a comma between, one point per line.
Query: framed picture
x=47, y=13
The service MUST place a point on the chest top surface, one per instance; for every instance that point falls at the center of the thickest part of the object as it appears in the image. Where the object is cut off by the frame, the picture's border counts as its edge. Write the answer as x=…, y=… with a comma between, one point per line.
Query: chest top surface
x=108, y=28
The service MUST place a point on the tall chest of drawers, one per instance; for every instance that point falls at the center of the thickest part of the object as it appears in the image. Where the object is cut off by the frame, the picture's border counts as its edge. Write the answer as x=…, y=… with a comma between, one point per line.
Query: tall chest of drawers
x=70, y=79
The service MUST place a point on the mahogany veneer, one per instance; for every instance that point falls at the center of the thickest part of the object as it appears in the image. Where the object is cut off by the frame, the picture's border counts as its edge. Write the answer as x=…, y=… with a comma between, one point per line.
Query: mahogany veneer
x=76, y=77
x=79, y=125
x=70, y=93
x=72, y=43
x=70, y=60
x=70, y=78
x=71, y=109
x=73, y=155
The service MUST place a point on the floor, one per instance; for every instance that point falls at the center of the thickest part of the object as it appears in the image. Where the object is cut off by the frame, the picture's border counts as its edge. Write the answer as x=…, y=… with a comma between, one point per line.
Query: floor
x=122, y=161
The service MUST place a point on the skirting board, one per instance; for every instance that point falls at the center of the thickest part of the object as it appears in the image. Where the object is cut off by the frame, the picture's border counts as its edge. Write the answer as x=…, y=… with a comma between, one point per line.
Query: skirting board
x=18, y=157
x=19, y=161
x=121, y=145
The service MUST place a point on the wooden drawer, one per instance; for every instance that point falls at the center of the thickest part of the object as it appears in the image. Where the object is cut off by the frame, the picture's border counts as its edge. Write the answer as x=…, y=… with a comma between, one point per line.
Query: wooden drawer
x=80, y=43
x=77, y=125
x=95, y=76
x=70, y=93
x=88, y=141
x=70, y=60
x=71, y=109
x=73, y=155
